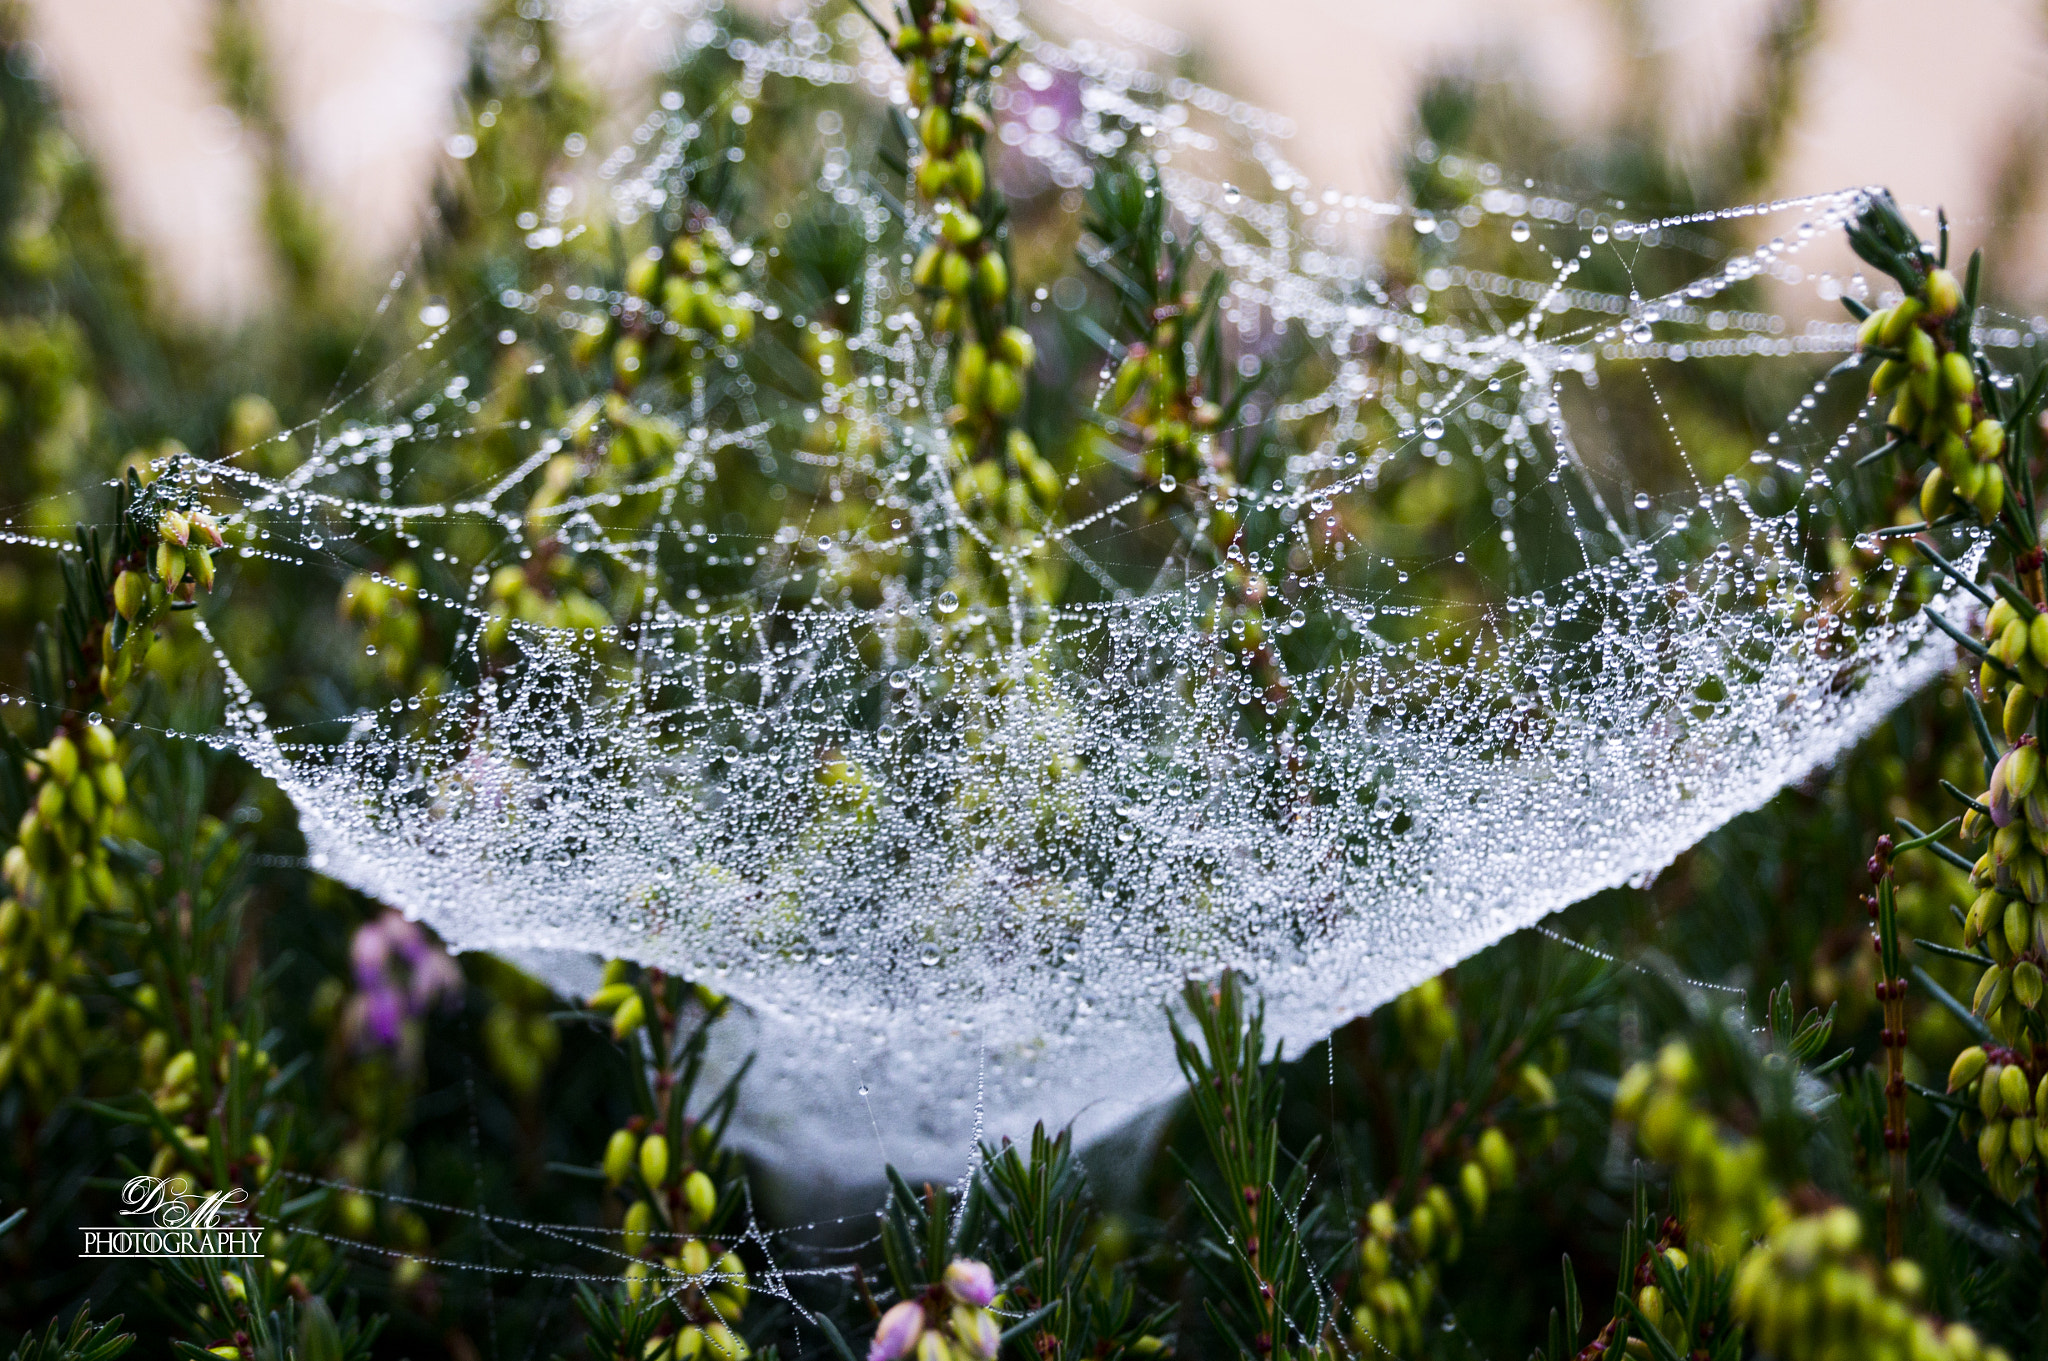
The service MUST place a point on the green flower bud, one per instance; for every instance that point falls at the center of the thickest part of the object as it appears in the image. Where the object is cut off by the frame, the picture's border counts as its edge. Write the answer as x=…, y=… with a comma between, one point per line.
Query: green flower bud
x=1968, y=1067
x=1985, y=914
x=696, y=1258
x=60, y=759
x=1472, y=1181
x=934, y=173
x=1923, y=358
x=174, y=528
x=960, y=227
x=1991, y=1143
x=1016, y=347
x=83, y=798
x=1989, y=499
x=1991, y=990
x=1632, y=1091
x=956, y=276
x=1958, y=416
x=1905, y=412
x=1534, y=1086
x=2020, y=704
x=925, y=273
x=1944, y=295
x=628, y=1017
x=100, y=743
x=701, y=1195
x=654, y=1159
x=968, y=372
x=2030, y=873
x=609, y=996
x=2019, y=1141
x=1957, y=377
x=1887, y=377
x=2026, y=984
x=170, y=563
x=1003, y=388
x=1497, y=1158
x=131, y=592
x=618, y=1157
x=992, y=278
x=935, y=129
x=1987, y=440
x=970, y=175
x=642, y=273
x=201, y=563
x=2019, y=926
x=639, y=1219
x=1651, y=1301
x=1937, y=496
x=1899, y=322
x=1965, y=474
x=1872, y=327
x=2014, y=642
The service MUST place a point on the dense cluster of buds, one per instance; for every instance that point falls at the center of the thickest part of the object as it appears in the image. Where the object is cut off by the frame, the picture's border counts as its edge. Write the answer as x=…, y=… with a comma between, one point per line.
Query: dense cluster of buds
x=692, y=290
x=1400, y=1256
x=1810, y=1291
x=183, y=564
x=950, y=1322
x=1935, y=401
x=1804, y=1285
x=1924, y=367
x=948, y=60
x=659, y=1167
x=2009, y=917
x=181, y=1085
x=1731, y=1194
x=2011, y=1093
x=56, y=872
x=1155, y=390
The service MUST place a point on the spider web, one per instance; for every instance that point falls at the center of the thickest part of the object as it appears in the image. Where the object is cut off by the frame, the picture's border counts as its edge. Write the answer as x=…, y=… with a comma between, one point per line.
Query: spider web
x=954, y=855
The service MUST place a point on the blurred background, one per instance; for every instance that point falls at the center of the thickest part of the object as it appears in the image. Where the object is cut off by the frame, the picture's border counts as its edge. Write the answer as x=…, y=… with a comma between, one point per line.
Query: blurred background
x=364, y=101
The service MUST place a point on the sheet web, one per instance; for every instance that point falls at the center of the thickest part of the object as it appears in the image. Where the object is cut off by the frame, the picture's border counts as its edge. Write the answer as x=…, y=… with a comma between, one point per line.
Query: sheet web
x=953, y=845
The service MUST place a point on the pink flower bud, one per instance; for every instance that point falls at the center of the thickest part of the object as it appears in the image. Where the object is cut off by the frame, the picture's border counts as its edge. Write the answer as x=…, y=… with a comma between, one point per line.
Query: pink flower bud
x=897, y=1333
x=970, y=1282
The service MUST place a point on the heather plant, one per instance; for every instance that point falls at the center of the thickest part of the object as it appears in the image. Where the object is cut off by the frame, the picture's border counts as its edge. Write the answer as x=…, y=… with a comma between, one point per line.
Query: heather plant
x=1018, y=622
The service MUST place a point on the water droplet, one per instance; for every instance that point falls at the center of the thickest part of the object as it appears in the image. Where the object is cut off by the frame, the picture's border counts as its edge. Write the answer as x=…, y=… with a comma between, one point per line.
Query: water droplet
x=435, y=313
x=1642, y=500
x=1599, y=236
x=947, y=602
x=1168, y=484
x=1519, y=232
x=1231, y=193
x=1432, y=427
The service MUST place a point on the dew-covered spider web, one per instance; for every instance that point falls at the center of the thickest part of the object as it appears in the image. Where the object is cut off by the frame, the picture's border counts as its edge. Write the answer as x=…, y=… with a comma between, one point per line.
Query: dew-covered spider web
x=951, y=814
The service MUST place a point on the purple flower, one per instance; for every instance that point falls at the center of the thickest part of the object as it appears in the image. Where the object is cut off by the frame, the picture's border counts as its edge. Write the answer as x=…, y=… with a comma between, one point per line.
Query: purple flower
x=383, y=1015
x=970, y=1282
x=399, y=972
x=897, y=1333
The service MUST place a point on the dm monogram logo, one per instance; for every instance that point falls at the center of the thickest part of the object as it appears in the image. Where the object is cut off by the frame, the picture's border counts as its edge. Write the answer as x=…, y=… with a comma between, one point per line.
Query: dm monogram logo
x=167, y=1219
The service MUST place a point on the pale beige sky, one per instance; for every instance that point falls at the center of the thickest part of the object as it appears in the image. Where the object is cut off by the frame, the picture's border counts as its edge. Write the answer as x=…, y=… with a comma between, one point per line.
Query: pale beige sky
x=365, y=84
